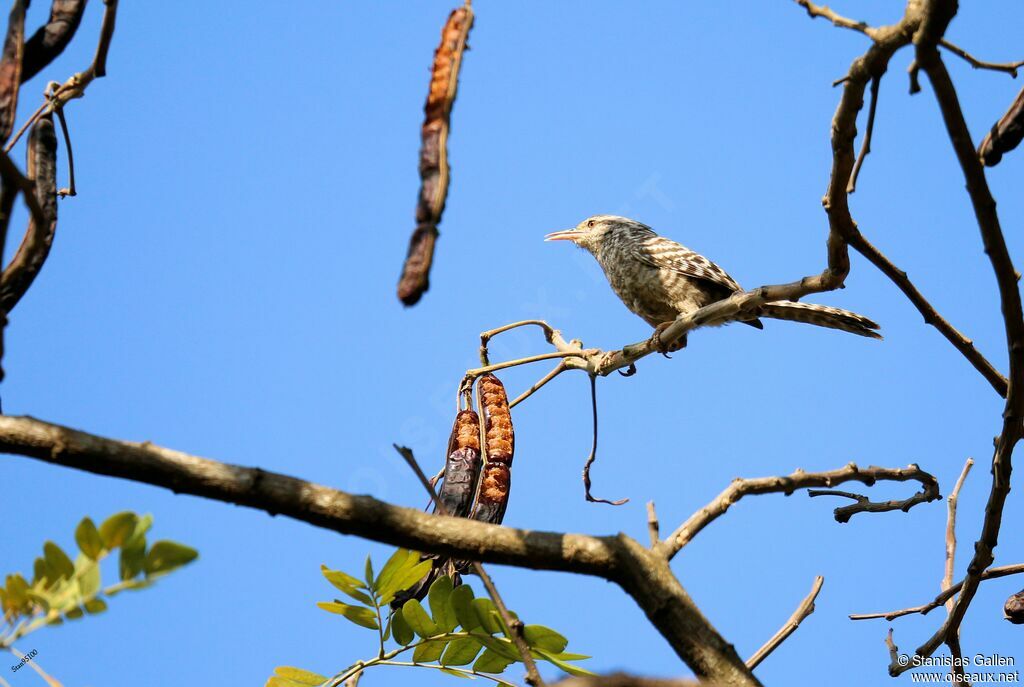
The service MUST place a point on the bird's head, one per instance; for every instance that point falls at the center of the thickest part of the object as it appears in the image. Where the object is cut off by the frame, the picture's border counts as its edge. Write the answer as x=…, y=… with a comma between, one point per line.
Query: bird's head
x=592, y=233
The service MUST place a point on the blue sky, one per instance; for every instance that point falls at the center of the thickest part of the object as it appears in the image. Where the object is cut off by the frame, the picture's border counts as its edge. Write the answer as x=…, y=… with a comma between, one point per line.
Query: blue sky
x=224, y=285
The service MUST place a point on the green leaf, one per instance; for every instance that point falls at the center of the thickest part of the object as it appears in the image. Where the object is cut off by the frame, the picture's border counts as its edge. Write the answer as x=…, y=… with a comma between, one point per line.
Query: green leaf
x=564, y=665
x=369, y=573
x=461, y=652
x=428, y=652
x=488, y=616
x=499, y=645
x=357, y=614
x=405, y=579
x=439, y=597
x=303, y=677
x=418, y=619
x=40, y=572
x=347, y=584
x=449, y=671
x=89, y=578
x=133, y=556
x=94, y=606
x=403, y=633
x=461, y=600
x=57, y=561
x=74, y=614
x=116, y=529
x=491, y=662
x=88, y=538
x=400, y=560
x=165, y=556
x=540, y=637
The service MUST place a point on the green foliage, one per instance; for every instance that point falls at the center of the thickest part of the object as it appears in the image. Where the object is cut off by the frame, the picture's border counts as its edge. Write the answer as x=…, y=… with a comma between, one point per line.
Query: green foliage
x=454, y=629
x=64, y=589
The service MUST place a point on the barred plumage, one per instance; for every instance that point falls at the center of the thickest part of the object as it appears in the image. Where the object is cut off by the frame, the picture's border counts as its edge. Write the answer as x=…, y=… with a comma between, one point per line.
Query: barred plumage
x=659, y=279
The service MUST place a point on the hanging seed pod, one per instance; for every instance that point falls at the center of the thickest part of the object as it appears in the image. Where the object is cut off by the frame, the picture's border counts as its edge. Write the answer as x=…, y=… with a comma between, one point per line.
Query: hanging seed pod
x=50, y=39
x=1005, y=135
x=492, y=498
x=501, y=439
x=10, y=68
x=35, y=246
x=462, y=467
x=1014, y=608
x=434, y=171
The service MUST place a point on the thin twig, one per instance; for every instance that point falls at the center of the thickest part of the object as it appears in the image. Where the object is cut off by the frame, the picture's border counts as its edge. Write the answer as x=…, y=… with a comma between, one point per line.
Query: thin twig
x=515, y=625
x=1007, y=67
x=805, y=608
x=70, y=190
x=653, y=528
x=951, y=501
x=825, y=12
x=593, y=451
x=865, y=146
x=34, y=665
x=924, y=609
x=558, y=369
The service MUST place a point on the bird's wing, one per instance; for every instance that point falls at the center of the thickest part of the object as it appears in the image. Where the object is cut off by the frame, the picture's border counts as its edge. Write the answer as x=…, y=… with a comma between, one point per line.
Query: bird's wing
x=665, y=254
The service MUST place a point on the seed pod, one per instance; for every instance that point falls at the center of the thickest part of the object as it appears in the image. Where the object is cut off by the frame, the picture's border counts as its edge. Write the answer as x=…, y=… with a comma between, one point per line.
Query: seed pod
x=1014, y=608
x=1005, y=135
x=10, y=68
x=501, y=439
x=35, y=246
x=462, y=467
x=492, y=499
x=50, y=39
x=434, y=171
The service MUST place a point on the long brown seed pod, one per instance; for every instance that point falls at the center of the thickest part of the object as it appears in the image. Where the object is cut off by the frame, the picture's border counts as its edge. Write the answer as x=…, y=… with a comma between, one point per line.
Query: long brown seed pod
x=492, y=499
x=501, y=438
x=1005, y=135
x=35, y=246
x=50, y=39
x=434, y=171
x=10, y=69
x=462, y=467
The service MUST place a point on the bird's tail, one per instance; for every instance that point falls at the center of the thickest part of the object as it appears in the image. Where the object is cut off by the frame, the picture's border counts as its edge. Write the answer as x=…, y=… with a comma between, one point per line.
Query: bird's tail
x=822, y=316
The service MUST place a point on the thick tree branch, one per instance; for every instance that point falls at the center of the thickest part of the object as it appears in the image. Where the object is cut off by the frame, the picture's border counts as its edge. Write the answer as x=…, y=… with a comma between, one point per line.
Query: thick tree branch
x=643, y=574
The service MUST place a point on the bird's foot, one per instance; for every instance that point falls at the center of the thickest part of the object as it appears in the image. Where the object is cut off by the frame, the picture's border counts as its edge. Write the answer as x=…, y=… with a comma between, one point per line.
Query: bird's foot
x=662, y=347
x=630, y=371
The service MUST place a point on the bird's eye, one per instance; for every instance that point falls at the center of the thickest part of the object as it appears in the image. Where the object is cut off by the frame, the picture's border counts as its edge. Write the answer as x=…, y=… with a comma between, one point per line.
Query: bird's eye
x=591, y=224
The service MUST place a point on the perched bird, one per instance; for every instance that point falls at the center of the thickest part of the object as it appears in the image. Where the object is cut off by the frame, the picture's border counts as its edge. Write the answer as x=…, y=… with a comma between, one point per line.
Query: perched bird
x=659, y=279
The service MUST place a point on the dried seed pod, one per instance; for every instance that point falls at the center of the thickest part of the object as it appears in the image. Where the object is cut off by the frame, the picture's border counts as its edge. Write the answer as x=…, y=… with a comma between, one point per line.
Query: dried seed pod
x=35, y=246
x=492, y=499
x=462, y=467
x=500, y=437
x=10, y=68
x=1005, y=135
x=50, y=39
x=1014, y=608
x=434, y=171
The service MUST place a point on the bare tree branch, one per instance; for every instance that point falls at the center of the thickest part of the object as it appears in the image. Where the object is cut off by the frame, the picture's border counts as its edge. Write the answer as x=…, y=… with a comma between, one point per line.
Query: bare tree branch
x=805, y=608
x=643, y=574
x=801, y=480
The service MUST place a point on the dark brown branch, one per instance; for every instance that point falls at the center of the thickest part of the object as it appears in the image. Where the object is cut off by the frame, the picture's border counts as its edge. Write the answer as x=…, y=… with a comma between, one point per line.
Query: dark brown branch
x=929, y=492
x=1013, y=319
x=643, y=574
x=805, y=608
x=593, y=452
x=50, y=39
x=799, y=480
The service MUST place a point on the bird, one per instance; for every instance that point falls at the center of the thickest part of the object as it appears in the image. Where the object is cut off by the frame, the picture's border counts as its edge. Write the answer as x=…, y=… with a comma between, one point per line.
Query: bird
x=660, y=280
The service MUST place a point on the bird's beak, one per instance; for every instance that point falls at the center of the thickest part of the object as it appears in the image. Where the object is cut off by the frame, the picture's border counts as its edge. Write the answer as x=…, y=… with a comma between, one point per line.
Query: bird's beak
x=564, y=235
